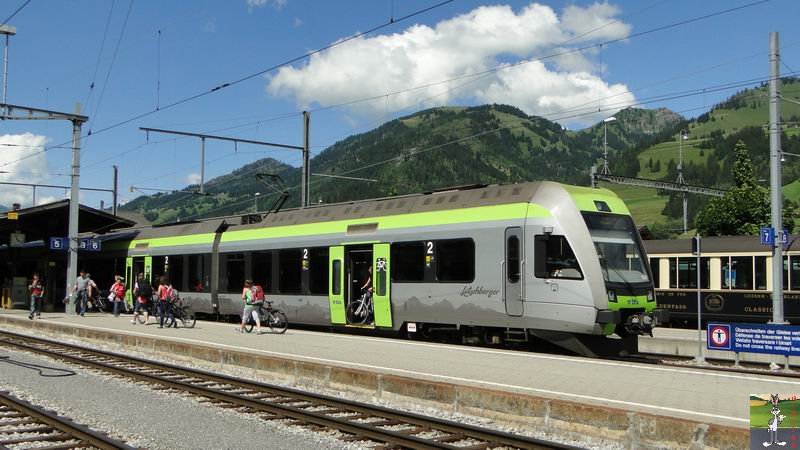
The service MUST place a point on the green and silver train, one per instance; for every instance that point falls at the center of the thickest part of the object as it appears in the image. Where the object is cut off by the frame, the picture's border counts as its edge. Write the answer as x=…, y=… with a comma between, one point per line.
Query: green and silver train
x=499, y=263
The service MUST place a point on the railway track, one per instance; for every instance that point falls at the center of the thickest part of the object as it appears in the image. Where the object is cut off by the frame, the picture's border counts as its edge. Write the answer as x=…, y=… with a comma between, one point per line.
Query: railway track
x=374, y=425
x=23, y=425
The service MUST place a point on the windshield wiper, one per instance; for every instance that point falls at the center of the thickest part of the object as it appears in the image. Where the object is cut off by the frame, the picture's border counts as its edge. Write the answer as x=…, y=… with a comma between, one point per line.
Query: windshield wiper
x=604, y=264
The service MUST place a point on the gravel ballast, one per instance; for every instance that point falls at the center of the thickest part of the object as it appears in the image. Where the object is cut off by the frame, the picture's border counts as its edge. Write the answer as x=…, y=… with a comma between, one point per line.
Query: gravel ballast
x=145, y=417
x=414, y=408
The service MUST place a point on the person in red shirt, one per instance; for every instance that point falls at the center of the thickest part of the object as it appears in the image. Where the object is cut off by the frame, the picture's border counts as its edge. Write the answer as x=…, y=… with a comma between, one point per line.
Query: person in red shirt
x=117, y=294
x=36, y=289
x=165, y=302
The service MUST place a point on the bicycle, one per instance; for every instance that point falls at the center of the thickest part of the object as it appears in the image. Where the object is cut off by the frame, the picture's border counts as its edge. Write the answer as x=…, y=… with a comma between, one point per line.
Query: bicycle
x=359, y=311
x=275, y=318
x=181, y=312
x=152, y=311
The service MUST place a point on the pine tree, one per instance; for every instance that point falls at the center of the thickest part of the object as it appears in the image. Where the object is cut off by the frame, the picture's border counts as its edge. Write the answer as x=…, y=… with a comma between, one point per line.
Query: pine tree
x=744, y=209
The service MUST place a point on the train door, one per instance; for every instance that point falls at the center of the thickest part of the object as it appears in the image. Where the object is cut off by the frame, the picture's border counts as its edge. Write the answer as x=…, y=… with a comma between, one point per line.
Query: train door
x=512, y=273
x=129, y=280
x=381, y=285
x=139, y=264
x=336, y=284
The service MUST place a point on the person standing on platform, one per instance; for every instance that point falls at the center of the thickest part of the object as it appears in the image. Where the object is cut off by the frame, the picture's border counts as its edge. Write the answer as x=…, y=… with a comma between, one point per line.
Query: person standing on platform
x=36, y=289
x=143, y=293
x=118, y=294
x=250, y=307
x=81, y=286
x=164, y=299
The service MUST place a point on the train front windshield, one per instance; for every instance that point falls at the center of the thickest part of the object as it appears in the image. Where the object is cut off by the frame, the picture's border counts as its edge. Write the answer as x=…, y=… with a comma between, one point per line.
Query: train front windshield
x=618, y=247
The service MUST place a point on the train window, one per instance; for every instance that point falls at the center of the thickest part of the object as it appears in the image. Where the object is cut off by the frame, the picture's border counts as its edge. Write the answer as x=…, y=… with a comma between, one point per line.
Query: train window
x=795, y=273
x=408, y=261
x=554, y=258
x=290, y=269
x=337, y=276
x=262, y=270
x=737, y=272
x=785, y=273
x=199, y=273
x=175, y=272
x=673, y=273
x=456, y=260
x=380, y=277
x=656, y=270
x=318, y=267
x=159, y=268
x=760, y=272
x=687, y=273
x=234, y=272
x=512, y=259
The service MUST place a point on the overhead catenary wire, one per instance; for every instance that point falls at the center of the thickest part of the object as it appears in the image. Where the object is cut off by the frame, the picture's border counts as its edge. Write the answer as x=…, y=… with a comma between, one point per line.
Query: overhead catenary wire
x=99, y=54
x=732, y=9
x=110, y=68
x=253, y=75
x=15, y=12
x=308, y=54
x=403, y=155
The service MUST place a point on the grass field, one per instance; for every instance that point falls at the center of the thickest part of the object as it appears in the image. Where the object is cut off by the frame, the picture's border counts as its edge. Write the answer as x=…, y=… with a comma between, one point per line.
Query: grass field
x=760, y=415
x=645, y=204
x=791, y=191
x=670, y=150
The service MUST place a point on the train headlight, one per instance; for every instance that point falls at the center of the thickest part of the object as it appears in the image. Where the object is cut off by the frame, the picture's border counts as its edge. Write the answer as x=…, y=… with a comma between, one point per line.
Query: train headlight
x=612, y=296
x=651, y=296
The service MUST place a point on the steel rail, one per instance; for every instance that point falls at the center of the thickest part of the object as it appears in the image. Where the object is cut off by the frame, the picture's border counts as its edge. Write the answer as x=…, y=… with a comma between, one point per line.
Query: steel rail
x=52, y=422
x=174, y=377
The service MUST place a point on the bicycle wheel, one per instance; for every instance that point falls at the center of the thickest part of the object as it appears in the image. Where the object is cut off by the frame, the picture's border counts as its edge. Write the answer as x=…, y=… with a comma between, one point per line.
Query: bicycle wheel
x=277, y=321
x=357, y=313
x=187, y=319
x=248, y=327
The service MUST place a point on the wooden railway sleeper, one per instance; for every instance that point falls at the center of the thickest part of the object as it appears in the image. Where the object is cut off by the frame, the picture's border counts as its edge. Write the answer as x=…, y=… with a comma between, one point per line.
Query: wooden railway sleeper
x=37, y=438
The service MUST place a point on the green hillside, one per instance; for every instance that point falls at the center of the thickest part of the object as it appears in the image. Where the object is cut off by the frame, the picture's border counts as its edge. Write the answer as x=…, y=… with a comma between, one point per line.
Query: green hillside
x=708, y=152
x=427, y=150
x=452, y=146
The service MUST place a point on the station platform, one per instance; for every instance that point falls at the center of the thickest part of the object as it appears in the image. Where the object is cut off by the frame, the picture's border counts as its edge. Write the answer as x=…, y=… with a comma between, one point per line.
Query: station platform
x=682, y=342
x=636, y=404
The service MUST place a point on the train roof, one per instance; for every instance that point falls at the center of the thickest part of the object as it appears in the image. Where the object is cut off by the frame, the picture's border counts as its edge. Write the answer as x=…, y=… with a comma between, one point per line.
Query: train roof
x=439, y=200
x=713, y=244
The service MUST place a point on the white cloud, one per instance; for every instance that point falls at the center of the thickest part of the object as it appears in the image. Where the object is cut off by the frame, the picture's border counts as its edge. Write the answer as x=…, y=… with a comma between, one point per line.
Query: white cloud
x=277, y=4
x=558, y=95
x=192, y=178
x=466, y=44
x=33, y=169
x=297, y=23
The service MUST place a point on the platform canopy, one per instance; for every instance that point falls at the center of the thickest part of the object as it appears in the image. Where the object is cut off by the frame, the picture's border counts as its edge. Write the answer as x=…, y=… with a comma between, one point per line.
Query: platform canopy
x=52, y=220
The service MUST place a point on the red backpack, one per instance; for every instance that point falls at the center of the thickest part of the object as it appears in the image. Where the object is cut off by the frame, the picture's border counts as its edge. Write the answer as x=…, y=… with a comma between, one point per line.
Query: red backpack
x=258, y=293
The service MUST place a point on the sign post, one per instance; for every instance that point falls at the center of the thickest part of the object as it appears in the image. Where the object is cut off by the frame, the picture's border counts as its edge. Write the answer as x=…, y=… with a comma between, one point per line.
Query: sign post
x=699, y=359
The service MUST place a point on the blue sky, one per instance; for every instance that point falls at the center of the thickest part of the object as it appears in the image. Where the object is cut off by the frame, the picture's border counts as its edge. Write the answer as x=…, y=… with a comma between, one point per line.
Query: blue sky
x=54, y=60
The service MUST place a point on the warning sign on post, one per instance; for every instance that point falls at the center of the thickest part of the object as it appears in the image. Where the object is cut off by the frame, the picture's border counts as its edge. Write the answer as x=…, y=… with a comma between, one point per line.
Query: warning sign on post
x=754, y=338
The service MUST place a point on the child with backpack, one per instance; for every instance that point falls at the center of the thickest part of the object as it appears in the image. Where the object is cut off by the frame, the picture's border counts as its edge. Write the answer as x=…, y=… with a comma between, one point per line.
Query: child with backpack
x=253, y=297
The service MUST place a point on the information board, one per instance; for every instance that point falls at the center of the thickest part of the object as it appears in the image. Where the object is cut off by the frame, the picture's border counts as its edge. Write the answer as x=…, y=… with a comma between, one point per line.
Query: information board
x=754, y=338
